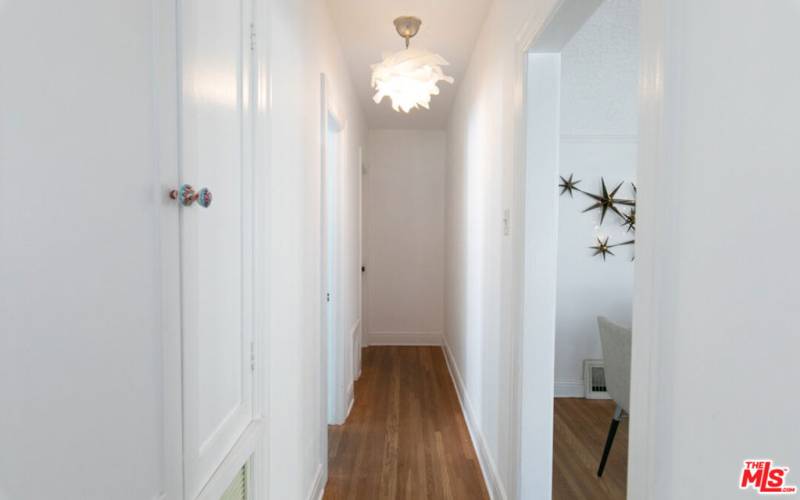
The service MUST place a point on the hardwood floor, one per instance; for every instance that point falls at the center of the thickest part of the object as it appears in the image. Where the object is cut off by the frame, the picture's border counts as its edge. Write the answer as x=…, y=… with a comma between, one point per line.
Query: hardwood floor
x=580, y=427
x=405, y=438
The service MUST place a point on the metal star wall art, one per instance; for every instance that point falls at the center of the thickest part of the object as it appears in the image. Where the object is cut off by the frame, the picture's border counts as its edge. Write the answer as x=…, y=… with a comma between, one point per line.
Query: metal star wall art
x=630, y=220
x=602, y=248
x=606, y=201
x=568, y=185
x=630, y=217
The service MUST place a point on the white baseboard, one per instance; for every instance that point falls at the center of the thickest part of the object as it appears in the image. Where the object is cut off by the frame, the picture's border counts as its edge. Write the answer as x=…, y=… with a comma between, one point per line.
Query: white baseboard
x=569, y=389
x=356, y=342
x=404, y=338
x=318, y=487
x=351, y=395
x=488, y=467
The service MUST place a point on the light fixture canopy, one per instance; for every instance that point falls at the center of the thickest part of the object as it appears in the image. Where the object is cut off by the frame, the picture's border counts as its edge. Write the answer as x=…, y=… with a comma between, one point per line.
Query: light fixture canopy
x=408, y=77
x=407, y=27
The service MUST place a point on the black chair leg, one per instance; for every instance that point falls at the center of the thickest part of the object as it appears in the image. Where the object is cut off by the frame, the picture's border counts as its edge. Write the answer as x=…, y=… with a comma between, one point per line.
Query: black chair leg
x=612, y=431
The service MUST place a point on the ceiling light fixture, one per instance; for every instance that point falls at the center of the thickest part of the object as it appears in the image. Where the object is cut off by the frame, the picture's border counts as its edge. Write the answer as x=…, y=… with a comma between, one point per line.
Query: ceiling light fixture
x=408, y=77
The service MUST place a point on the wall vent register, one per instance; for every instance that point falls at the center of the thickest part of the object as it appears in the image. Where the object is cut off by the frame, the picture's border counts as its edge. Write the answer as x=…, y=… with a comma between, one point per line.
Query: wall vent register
x=594, y=379
x=238, y=487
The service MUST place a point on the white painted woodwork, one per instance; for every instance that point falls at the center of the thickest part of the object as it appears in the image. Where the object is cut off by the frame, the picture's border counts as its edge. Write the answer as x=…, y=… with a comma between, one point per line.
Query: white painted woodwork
x=716, y=293
x=338, y=220
x=303, y=44
x=80, y=349
x=216, y=242
x=330, y=260
x=543, y=97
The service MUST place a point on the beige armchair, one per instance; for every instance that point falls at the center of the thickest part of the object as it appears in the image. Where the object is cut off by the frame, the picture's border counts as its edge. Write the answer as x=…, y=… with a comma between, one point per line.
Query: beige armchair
x=616, y=344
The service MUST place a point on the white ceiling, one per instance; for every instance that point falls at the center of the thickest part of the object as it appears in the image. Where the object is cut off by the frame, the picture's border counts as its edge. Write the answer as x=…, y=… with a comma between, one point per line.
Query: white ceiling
x=365, y=29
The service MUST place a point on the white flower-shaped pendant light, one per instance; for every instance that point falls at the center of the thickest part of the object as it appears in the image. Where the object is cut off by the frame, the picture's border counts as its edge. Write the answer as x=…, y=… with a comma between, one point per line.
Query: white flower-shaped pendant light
x=408, y=77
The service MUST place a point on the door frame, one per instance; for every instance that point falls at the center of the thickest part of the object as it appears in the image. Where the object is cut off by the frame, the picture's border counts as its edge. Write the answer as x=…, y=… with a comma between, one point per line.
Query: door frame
x=253, y=443
x=333, y=409
x=362, y=278
x=547, y=32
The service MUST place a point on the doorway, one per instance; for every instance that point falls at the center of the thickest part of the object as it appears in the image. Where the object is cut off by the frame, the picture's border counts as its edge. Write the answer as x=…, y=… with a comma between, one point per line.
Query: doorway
x=581, y=108
x=332, y=341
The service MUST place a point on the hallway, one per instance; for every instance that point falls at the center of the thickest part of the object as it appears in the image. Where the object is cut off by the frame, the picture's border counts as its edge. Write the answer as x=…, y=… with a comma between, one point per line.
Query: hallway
x=405, y=437
x=382, y=250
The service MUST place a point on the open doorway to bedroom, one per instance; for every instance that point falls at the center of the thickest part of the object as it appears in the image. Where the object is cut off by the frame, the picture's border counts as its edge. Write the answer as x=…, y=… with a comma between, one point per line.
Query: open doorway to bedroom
x=581, y=155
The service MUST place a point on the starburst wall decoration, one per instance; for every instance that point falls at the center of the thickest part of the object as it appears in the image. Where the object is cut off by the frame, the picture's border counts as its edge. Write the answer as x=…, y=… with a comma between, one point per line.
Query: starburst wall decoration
x=606, y=201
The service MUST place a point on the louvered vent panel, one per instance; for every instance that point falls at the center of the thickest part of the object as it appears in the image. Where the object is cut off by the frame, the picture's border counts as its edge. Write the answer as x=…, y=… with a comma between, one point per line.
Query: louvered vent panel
x=238, y=488
x=598, y=379
x=594, y=379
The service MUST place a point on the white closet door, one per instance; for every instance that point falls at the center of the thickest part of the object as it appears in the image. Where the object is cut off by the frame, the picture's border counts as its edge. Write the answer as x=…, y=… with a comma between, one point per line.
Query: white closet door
x=217, y=241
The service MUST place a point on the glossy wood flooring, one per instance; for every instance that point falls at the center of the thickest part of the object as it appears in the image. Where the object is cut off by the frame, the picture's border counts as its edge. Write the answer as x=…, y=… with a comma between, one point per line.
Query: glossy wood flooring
x=580, y=427
x=405, y=438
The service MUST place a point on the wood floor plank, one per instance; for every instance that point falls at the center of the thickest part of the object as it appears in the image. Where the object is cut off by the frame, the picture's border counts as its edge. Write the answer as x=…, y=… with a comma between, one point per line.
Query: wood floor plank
x=580, y=427
x=406, y=438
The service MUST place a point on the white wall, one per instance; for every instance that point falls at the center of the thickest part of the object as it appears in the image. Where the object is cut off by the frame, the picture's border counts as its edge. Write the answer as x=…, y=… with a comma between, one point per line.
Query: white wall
x=303, y=45
x=542, y=138
x=479, y=318
x=404, y=236
x=599, y=126
x=718, y=126
x=484, y=288
x=80, y=343
x=717, y=299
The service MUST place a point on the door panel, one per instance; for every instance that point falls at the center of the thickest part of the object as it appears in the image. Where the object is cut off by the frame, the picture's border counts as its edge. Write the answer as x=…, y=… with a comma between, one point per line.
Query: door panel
x=216, y=241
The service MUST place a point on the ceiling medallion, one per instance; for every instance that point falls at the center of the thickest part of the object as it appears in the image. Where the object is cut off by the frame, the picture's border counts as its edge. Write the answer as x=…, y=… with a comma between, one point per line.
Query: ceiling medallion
x=408, y=77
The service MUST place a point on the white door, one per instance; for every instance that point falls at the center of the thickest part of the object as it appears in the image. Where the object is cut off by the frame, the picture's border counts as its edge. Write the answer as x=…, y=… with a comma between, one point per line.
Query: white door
x=331, y=166
x=216, y=241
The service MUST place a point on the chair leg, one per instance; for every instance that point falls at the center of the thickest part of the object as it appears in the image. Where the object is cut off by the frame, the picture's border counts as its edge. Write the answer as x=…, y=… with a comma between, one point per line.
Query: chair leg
x=612, y=431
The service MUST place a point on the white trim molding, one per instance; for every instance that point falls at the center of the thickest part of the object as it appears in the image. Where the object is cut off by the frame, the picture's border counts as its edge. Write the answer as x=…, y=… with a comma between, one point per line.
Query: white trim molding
x=352, y=403
x=244, y=450
x=318, y=486
x=356, y=344
x=404, y=338
x=350, y=398
x=488, y=467
x=569, y=389
x=659, y=117
x=354, y=329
